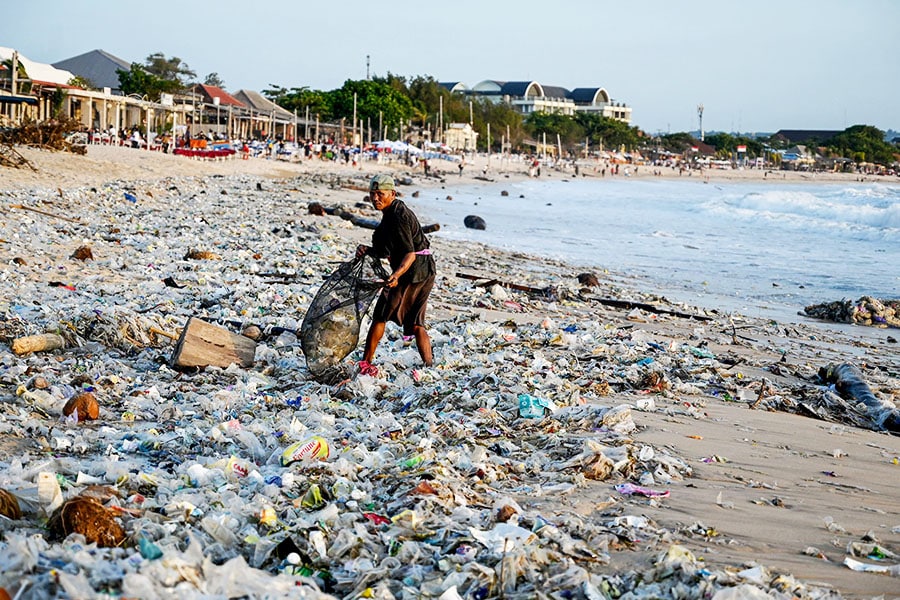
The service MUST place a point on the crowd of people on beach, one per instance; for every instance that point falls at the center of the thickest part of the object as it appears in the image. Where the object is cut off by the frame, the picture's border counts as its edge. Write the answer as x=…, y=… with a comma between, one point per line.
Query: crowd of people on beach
x=421, y=158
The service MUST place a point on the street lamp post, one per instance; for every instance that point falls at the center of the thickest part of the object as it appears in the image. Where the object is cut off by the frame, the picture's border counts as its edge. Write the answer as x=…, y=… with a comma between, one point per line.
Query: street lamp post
x=700, y=114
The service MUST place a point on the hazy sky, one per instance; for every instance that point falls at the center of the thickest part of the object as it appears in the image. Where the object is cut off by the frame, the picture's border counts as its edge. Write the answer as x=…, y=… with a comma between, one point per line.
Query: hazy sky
x=757, y=65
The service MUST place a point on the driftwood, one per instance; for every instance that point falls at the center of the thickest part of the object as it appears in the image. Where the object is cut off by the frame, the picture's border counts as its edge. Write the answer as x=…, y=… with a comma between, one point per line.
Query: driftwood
x=202, y=344
x=49, y=135
x=370, y=223
x=38, y=343
x=10, y=157
x=158, y=331
x=628, y=304
x=44, y=212
x=548, y=291
x=354, y=187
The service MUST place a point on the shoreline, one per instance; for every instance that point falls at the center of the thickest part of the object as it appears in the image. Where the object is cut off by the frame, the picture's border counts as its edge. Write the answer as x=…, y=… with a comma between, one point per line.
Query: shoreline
x=758, y=490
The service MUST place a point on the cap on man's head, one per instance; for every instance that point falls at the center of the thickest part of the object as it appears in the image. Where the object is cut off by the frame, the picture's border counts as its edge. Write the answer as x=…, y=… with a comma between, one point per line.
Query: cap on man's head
x=381, y=182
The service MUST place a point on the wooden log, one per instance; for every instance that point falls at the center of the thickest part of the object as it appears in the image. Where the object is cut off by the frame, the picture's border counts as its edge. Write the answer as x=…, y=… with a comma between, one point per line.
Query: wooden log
x=202, y=344
x=628, y=304
x=513, y=286
x=38, y=343
x=370, y=223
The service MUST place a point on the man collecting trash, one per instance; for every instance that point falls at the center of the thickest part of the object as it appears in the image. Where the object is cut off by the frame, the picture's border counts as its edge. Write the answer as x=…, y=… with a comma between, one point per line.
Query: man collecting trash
x=400, y=239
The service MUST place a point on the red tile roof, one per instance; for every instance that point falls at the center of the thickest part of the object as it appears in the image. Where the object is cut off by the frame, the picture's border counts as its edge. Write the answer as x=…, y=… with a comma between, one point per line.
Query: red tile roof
x=211, y=91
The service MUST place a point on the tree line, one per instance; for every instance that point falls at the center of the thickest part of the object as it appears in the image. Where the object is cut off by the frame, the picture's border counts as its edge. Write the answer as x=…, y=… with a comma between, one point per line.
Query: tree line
x=395, y=105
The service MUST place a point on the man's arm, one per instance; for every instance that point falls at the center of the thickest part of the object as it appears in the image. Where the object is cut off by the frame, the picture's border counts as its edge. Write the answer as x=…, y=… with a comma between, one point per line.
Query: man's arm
x=408, y=259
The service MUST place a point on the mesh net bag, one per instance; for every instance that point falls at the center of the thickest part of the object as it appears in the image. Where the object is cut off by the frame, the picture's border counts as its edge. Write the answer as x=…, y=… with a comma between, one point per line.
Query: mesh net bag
x=330, y=329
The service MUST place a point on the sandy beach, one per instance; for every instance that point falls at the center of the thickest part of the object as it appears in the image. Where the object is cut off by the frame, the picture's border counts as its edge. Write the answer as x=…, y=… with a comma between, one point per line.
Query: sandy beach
x=721, y=404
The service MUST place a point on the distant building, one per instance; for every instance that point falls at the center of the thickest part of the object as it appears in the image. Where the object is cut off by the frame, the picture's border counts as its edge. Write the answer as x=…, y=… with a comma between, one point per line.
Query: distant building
x=97, y=67
x=265, y=115
x=211, y=94
x=460, y=136
x=816, y=137
x=260, y=104
x=530, y=96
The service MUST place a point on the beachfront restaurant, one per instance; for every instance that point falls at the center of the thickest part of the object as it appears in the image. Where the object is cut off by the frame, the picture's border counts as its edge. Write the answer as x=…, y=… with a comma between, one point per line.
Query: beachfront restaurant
x=40, y=92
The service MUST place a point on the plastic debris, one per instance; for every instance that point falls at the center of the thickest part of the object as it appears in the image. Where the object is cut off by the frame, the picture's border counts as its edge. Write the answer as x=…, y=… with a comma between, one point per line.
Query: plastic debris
x=865, y=311
x=263, y=481
x=314, y=448
x=629, y=489
x=892, y=570
x=850, y=383
x=531, y=407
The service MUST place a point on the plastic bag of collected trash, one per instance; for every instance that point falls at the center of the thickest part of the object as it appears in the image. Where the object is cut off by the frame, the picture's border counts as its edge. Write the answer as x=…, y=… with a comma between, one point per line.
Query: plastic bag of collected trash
x=330, y=329
x=849, y=382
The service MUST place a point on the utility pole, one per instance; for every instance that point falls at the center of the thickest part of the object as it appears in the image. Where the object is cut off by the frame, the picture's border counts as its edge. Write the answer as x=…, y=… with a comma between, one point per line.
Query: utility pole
x=700, y=114
x=367, y=67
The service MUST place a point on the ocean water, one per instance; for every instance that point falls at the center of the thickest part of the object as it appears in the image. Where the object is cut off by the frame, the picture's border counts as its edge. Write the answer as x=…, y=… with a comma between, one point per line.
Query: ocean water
x=763, y=249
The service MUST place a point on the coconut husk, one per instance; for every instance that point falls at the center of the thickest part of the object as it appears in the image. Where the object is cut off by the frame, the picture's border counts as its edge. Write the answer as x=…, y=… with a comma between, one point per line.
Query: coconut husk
x=599, y=467
x=83, y=253
x=588, y=280
x=253, y=332
x=39, y=383
x=85, y=404
x=505, y=513
x=654, y=380
x=201, y=255
x=90, y=518
x=9, y=506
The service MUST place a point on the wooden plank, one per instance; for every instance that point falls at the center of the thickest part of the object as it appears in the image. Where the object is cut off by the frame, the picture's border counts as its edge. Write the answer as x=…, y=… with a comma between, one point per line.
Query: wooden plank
x=202, y=344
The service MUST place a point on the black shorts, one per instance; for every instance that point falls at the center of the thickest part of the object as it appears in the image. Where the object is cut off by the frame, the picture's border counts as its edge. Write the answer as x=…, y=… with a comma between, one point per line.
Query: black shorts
x=404, y=305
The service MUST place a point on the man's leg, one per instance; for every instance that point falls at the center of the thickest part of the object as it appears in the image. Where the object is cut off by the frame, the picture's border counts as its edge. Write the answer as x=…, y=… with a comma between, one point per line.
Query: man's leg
x=376, y=331
x=423, y=343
